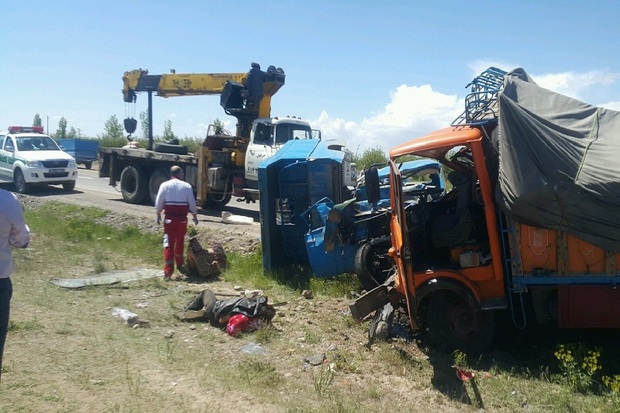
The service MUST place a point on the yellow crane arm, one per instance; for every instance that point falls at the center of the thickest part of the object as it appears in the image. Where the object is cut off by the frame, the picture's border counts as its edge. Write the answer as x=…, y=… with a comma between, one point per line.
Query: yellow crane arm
x=246, y=96
x=256, y=85
x=173, y=84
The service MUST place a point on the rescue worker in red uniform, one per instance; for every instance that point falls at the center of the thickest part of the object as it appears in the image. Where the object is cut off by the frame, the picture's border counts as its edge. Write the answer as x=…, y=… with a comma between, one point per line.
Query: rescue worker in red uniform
x=176, y=199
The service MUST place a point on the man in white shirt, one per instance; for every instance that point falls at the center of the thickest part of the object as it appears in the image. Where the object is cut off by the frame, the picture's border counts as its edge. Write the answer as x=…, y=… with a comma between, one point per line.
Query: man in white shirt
x=176, y=199
x=13, y=233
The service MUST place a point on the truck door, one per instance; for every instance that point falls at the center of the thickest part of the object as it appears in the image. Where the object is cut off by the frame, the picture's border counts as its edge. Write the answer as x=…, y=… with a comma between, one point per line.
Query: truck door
x=401, y=244
x=260, y=148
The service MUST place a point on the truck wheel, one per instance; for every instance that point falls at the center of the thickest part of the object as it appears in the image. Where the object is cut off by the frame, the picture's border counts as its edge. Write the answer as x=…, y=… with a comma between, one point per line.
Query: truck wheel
x=88, y=164
x=20, y=183
x=381, y=324
x=134, y=184
x=69, y=186
x=454, y=325
x=216, y=202
x=372, y=265
x=158, y=177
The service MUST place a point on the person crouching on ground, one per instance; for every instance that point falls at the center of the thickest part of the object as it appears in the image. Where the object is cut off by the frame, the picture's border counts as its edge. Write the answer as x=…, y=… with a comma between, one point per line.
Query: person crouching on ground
x=176, y=199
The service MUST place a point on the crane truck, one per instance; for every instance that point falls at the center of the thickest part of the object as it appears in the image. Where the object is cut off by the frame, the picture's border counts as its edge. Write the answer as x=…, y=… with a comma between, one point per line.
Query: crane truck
x=529, y=228
x=226, y=164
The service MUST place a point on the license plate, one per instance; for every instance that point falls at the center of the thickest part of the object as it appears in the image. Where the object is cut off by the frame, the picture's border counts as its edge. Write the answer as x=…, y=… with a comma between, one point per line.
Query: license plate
x=56, y=171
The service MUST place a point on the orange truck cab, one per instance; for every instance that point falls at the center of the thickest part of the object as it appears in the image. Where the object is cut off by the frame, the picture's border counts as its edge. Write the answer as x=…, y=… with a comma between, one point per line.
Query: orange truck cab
x=520, y=229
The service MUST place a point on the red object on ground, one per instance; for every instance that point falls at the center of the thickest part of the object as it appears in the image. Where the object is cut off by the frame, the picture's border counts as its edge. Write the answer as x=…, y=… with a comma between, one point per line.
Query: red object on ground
x=239, y=323
x=464, y=375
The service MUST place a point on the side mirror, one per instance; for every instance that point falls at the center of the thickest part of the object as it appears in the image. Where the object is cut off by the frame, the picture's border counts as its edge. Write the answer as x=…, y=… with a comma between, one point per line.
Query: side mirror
x=371, y=178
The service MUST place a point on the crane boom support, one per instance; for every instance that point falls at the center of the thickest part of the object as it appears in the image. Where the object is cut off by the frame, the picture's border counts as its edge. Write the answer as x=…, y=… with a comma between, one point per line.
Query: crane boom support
x=182, y=84
x=246, y=96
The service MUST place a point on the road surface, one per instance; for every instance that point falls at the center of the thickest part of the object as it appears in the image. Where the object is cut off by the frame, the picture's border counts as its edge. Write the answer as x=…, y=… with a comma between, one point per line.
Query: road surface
x=92, y=191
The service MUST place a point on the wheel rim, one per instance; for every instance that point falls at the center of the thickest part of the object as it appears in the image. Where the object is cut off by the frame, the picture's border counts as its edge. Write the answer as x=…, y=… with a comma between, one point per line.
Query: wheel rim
x=463, y=322
x=20, y=181
x=131, y=184
x=157, y=178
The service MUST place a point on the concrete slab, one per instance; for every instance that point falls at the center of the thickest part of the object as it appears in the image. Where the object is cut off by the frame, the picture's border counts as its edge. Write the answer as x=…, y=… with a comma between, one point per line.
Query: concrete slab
x=108, y=278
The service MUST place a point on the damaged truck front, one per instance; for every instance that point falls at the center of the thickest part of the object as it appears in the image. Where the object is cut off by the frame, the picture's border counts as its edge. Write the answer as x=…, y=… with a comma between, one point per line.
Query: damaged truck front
x=528, y=226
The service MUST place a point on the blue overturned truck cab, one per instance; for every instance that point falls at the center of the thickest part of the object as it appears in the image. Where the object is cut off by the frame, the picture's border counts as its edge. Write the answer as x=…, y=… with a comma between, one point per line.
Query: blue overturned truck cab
x=354, y=236
x=309, y=217
x=301, y=173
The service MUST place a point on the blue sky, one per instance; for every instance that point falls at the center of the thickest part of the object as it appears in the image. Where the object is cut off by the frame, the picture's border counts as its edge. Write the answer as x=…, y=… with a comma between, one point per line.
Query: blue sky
x=370, y=74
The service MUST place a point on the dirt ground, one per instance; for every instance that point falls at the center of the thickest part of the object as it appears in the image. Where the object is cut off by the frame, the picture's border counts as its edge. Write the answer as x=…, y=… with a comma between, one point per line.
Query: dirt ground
x=317, y=359
x=317, y=341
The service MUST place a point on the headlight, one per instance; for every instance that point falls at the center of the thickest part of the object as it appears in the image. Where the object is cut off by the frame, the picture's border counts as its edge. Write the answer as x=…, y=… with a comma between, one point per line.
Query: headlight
x=71, y=163
x=33, y=164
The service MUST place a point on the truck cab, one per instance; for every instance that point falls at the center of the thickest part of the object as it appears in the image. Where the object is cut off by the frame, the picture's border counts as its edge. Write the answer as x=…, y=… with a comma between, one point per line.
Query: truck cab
x=522, y=228
x=267, y=137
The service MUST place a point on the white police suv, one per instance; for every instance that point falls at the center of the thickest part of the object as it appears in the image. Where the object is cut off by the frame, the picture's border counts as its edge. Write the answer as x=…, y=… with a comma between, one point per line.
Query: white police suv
x=28, y=157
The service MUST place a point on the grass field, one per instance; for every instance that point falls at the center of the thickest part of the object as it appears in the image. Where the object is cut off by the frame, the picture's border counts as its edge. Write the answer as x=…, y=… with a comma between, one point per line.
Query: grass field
x=66, y=352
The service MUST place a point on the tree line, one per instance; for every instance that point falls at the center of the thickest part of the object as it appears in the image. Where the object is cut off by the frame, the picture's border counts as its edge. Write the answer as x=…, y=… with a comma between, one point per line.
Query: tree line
x=114, y=136
x=113, y=129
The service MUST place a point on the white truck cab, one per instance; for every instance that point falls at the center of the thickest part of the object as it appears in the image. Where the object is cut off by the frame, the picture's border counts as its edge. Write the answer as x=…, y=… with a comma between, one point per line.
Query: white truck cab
x=267, y=137
x=28, y=157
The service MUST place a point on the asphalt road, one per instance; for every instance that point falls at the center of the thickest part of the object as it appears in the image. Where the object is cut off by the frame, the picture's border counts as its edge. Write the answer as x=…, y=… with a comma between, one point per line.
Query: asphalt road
x=92, y=191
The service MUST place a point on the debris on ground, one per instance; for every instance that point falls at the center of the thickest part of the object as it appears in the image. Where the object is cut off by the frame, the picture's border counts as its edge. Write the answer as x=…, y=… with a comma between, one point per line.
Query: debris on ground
x=108, y=278
x=253, y=348
x=316, y=360
x=229, y=218
x=131, y=319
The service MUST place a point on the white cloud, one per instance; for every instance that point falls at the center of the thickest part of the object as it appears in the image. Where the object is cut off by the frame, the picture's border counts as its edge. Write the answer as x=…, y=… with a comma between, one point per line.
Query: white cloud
x=203, y=127
x=612, y=105
x=414, y=111
x=573, y=84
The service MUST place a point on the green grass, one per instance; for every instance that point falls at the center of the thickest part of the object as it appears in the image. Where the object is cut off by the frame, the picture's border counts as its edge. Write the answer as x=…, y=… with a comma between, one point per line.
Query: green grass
x=81, y=229
x=65, y=352
x=248, y=270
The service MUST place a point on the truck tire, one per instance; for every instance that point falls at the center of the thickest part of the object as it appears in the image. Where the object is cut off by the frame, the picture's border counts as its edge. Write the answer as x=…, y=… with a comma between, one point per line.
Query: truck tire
x=381, y=324
x=372, y=185
x=158, y=177
x=168, y=148
x=372, y=265
x=68, y=186
x=20, y=183
x=88, y=164
x=134, y=184
x=454, y=325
